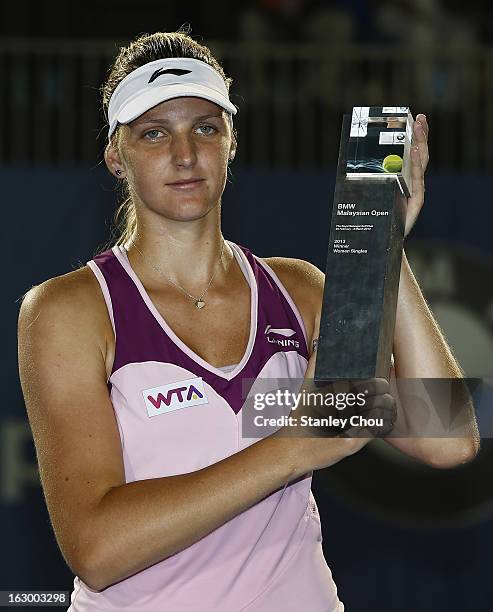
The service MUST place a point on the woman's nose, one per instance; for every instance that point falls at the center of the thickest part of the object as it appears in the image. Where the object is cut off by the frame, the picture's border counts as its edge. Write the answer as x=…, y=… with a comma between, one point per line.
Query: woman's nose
x=184, y=153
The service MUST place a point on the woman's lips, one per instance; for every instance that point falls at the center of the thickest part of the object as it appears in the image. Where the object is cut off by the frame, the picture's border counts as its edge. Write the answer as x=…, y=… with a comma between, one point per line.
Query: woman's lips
x=188, y=186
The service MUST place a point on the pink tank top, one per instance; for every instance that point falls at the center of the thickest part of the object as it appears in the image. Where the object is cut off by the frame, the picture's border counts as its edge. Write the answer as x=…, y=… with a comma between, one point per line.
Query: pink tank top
x=176, y=414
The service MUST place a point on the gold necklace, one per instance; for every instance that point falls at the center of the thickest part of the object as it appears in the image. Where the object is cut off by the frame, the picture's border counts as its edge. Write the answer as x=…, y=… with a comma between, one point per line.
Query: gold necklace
x=199, y=301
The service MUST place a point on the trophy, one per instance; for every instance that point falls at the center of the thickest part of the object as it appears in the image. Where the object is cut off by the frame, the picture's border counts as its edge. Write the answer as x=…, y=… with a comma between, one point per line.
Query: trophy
x=365, y=246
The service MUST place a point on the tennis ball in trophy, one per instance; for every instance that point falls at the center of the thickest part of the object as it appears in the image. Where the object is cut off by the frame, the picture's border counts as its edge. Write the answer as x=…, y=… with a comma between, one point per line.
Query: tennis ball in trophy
x=392, y=163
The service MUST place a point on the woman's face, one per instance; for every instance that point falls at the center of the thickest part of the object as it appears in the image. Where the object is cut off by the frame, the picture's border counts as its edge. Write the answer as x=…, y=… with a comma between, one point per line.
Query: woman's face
x=183, y=139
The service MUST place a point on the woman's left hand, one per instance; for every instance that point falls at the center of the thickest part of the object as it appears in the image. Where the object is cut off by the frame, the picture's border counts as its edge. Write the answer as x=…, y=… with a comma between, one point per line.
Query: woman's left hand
x=419, y=161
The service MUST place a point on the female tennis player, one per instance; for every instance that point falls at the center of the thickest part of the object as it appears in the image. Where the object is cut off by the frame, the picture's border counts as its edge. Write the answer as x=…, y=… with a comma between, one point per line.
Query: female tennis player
x=132, y=370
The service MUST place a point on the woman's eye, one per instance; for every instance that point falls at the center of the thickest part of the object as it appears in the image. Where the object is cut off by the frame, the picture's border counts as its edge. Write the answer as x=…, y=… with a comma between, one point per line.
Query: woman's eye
x=209, y=129
x=152, y=134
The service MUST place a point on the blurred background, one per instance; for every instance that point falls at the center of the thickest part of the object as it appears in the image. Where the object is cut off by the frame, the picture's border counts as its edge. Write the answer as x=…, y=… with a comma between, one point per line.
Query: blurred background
x=398, y=536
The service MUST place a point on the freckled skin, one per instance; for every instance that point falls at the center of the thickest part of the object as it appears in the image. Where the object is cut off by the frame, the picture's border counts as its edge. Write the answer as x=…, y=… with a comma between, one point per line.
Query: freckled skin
x=175, y=141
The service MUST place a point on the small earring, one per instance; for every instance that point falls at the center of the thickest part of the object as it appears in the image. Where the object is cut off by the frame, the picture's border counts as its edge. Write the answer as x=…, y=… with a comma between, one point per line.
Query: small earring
x=118, y=172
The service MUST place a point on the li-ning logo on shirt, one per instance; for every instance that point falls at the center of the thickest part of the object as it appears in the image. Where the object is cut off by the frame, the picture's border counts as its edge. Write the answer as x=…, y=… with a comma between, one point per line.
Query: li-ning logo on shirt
x=284, y=331
x=161, y=71
x=174, y=396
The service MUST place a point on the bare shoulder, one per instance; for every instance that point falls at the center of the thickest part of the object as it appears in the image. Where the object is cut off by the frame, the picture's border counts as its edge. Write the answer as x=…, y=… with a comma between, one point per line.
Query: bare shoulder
x=81, y=281
x=74, y=298
x=305, y=284
x=299, y=276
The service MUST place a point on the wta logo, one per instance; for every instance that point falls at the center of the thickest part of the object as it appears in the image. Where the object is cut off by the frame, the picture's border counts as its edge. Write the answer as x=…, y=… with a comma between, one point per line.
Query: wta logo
x=176, y=395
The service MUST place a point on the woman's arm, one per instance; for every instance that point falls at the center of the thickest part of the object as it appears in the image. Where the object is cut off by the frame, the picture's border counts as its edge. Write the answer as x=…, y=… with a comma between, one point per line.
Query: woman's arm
x=108, y=529
x=421, y=351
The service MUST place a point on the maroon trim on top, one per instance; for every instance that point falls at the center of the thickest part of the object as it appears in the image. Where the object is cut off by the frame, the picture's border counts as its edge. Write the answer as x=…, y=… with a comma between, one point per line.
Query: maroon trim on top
x=140, y=338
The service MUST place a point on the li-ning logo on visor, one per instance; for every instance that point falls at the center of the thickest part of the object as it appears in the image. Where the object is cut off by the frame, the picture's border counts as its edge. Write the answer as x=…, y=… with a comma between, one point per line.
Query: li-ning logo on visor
x=174, y=396
x=161, y=71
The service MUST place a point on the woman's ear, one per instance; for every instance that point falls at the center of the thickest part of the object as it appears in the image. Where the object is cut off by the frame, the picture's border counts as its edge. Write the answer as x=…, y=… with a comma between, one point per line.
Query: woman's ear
x=232, y=148
x=113, y=160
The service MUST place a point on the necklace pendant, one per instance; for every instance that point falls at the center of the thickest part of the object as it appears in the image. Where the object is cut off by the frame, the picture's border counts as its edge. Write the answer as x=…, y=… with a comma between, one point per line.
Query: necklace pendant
x=199, y=303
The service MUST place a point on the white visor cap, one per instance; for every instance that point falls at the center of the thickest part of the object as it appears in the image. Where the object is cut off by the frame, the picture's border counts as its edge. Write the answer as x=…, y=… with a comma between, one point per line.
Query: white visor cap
x=161, y=80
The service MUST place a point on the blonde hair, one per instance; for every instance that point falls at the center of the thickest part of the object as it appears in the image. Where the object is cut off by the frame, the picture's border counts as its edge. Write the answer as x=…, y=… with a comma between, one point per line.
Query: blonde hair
x=144, y=49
